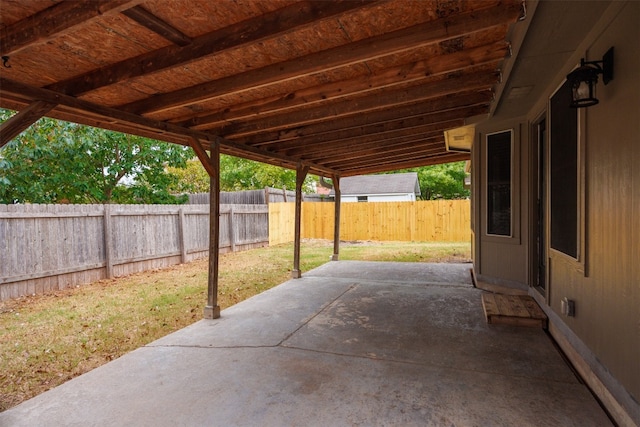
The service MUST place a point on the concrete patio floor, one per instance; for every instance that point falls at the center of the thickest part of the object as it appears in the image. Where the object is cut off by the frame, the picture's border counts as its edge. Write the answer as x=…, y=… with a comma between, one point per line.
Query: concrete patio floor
x=349, y=344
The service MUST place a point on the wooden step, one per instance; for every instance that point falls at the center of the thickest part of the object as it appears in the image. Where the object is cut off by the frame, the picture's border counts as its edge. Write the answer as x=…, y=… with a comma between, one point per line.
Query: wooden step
x=518, y=310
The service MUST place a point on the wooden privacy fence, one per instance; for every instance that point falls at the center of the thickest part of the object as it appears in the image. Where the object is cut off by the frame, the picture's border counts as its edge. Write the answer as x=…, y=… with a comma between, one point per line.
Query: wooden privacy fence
x=432, y=220
x=48, y=247
x=247, y=197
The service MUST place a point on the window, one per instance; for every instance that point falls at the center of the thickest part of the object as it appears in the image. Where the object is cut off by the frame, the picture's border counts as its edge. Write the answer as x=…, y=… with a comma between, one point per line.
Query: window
x=499, y=156
x=564, y=173
x=363, y=198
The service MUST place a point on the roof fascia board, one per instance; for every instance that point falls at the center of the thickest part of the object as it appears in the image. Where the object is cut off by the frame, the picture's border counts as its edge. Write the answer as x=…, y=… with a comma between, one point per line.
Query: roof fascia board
x=517, y=36
x=31, y=94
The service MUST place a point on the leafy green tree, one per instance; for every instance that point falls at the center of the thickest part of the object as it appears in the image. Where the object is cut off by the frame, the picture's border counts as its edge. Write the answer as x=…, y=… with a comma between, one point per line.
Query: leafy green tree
x=193, y=178
x=237, y=174
x=243, y=174
x=55, y=162
x=444, y=181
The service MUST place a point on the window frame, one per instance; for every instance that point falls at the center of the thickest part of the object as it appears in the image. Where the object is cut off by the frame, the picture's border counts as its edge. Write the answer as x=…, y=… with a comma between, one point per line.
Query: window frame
x=512, y=183
x=577, y=263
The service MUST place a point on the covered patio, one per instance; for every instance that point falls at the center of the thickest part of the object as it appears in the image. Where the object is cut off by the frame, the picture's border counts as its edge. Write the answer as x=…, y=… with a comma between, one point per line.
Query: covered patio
x=340, y=89
x=349, y=343
x=335, y=89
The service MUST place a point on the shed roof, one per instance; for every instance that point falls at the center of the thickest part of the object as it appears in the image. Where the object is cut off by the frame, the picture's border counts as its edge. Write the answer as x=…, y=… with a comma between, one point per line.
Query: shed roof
x=343, y=87
x=397, y=183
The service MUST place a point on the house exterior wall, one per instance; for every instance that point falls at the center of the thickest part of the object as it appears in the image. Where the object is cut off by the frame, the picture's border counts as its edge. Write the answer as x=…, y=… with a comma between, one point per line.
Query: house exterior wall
x=603, y=339
x=501, y=259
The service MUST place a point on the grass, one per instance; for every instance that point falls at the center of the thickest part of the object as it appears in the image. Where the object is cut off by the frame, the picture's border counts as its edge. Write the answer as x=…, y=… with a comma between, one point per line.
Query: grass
x=46, y=340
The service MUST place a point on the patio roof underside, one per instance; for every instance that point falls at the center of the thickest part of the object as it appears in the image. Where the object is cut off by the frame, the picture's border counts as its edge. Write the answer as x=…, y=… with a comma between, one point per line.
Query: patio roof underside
x=345, y=88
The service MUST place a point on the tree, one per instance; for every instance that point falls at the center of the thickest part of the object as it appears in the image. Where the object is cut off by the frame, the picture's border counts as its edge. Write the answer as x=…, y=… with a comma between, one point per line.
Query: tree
x=55, y=162
x=237, y=174
x=193, y=178
x=443, y=181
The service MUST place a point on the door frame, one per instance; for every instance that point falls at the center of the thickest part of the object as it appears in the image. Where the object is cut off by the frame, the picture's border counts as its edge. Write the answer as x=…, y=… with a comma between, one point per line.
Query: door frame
x=538, y=205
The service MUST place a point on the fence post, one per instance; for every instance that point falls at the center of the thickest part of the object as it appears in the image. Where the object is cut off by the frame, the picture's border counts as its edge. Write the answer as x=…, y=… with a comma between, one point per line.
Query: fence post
x=183, y=243
x=284, y=193
x=232, y=235
x=108, y=262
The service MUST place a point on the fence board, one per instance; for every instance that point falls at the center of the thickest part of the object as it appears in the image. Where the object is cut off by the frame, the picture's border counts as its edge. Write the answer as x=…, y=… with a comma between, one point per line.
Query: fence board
x=247, y=197
x=281, y=223
x=50, y=247
x=433, y=220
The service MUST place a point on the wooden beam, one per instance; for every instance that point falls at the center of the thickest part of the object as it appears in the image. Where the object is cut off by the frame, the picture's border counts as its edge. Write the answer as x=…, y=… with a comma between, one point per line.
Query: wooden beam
x=202, y=156
x=427, y=122
x=385, y=166
x=212, y=309
x=260, y=28
x=345, y=146
x=450, y=108
x=353, y=53
x=382, y=148
x=454, y=62
x=92, y=111
x=22, y=120
x=55, y=21
x=429, y=148
x=69, y=114
x=364, y=105
x=148, y=20
x=301, y=174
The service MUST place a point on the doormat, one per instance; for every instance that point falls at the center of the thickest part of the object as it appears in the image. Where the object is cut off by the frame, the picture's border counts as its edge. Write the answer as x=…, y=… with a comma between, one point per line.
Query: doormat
x=517, y=310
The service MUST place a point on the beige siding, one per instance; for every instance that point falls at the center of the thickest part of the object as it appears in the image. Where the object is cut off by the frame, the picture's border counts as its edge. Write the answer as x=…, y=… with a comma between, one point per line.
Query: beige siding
x=605, y=282
x=608, y=295
x=502, y=258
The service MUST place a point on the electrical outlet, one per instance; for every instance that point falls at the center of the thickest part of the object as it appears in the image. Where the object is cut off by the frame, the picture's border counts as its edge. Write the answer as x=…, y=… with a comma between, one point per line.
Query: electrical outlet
x=568, y=307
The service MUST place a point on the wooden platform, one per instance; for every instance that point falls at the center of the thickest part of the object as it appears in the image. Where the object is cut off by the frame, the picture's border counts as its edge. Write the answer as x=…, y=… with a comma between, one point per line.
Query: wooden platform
x=518, y=310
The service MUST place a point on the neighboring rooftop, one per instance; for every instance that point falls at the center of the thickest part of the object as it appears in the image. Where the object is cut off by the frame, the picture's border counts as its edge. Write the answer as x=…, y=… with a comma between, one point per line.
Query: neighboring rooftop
x=397, y=183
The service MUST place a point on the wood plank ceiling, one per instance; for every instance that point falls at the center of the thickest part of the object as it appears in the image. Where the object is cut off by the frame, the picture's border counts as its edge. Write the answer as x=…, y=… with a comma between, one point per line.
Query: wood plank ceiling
x=346, y=88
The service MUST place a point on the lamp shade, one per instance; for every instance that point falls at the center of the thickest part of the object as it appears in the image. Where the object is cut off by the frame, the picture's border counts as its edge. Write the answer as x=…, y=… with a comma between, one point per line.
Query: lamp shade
x=583, y=80
x=583, y=85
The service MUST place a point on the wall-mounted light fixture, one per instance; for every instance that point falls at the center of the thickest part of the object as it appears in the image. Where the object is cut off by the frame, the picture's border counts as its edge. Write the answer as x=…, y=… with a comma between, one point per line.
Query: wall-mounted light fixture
x=584, y=78
x=460, y=139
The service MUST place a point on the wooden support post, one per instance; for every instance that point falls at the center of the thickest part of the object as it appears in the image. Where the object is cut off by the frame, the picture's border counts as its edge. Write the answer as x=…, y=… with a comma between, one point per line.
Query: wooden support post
x=336, y=218
x=108, y=261
x=212, y=310
x=301, y=174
